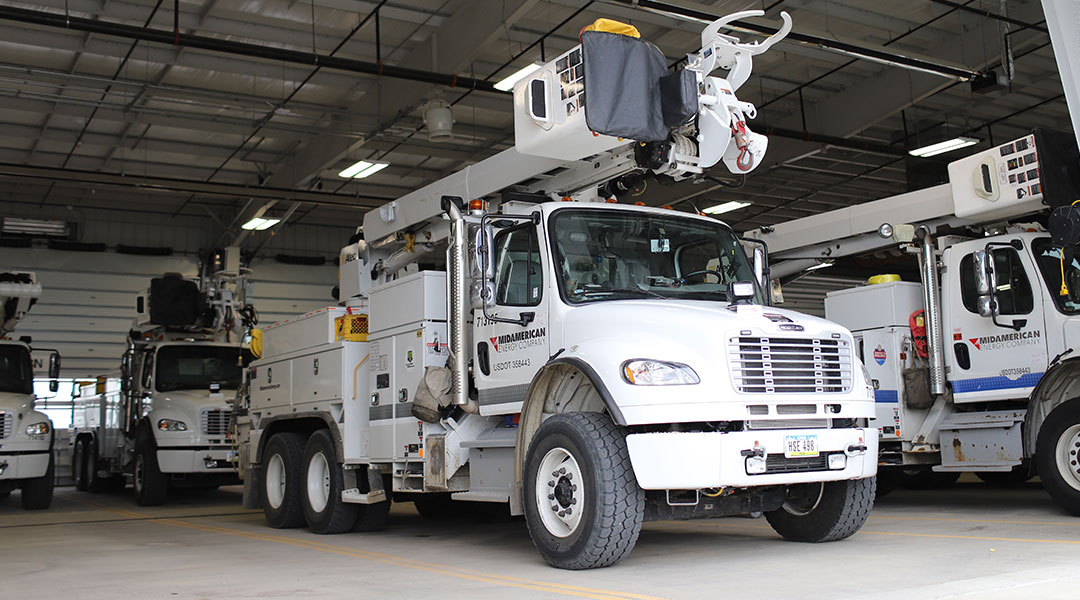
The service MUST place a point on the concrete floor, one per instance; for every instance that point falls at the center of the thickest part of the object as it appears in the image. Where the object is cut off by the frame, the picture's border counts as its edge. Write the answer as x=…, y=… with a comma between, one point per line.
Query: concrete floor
x=972, y=541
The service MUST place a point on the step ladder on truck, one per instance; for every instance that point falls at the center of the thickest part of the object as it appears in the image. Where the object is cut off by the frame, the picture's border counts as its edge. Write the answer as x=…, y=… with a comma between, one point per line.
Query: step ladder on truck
x=27, y=460
x=165, y=421
x=509, y=335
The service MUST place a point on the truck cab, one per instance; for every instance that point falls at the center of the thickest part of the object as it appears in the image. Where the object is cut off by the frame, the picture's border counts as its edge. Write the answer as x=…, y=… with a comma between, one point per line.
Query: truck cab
x=26, y=435
x=166, y=420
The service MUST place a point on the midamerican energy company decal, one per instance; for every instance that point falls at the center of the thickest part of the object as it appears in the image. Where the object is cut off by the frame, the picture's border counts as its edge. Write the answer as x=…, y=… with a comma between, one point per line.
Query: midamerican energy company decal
x=1007, y=340
x=520, y=340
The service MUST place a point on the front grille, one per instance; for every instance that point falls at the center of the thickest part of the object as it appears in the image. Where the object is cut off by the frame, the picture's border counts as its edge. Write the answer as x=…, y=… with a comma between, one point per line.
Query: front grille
x=790, y=365
x=778, y=463
x=5, y=424
x=215, y=421
x=787, y=424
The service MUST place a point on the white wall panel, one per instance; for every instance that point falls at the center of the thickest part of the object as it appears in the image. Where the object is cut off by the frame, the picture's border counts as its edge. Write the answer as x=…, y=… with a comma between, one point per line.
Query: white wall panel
x=87, y=304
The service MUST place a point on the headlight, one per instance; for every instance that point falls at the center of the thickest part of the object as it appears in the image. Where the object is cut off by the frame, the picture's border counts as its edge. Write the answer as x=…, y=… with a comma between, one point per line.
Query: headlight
x=41, y=428
x=171, y=425
x=655, y=372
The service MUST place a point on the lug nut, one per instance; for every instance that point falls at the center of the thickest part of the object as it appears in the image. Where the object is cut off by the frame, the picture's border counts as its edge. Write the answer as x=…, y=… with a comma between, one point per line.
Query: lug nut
x=569, y=475
x=573, y=501
x=573, y=488
x=554, y=473
x=569, y=510
x=551, y=484
x=563, y=470
x=555, y=508
x=562, y=514
x=551, y=496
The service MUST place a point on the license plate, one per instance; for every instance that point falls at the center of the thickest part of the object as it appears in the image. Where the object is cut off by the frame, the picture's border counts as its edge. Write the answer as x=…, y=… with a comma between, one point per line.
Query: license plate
x=800, y=446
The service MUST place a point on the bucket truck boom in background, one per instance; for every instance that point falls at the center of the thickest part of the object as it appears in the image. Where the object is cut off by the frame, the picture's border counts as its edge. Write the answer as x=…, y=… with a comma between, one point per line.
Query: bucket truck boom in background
x=506, y=336
x=26, y=435
x=166, y=420
x=974, y=366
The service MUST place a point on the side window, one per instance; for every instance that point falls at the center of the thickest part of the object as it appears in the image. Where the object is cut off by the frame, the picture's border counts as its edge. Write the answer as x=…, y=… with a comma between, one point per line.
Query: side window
x=1013, y=291
x=518, y=276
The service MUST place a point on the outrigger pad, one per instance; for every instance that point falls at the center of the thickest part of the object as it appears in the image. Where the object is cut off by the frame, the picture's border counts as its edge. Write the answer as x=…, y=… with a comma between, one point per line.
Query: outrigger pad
x=175, y=302
x=622, y=87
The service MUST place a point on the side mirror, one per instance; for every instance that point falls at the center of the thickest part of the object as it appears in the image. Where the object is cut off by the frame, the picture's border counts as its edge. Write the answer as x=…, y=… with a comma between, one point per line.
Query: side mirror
x=983, y=273
x=761, y=267
x=984, y=282
x=482, y=291
x=54, y=371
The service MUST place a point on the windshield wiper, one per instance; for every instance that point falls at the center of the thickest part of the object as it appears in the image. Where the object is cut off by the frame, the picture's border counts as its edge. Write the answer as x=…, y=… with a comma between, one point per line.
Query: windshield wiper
x=639, y=291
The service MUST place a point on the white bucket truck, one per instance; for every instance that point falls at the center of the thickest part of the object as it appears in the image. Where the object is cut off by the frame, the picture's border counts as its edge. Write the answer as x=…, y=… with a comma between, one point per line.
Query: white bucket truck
x=26, y=435
x=974, y=365
x=591, y=364
x=166, y=420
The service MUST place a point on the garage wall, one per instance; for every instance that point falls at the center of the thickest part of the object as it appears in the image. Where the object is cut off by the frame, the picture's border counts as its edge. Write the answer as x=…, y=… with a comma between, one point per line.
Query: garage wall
x=88, y=298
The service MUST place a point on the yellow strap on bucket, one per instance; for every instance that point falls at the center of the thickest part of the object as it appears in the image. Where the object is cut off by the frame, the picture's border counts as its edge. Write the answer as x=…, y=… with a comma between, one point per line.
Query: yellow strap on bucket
x=612, y=26
x=256, y=343
x=886, y=278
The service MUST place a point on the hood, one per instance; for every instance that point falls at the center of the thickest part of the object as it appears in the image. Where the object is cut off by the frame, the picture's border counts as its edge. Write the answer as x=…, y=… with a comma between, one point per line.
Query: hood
x=695, y=333
x=689, y=322
x=16, y=403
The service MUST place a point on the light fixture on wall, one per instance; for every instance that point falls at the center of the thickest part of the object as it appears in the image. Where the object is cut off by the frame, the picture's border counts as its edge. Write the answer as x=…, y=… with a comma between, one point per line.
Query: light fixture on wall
x=362, y=169
x=260, y=224
x=37, y=227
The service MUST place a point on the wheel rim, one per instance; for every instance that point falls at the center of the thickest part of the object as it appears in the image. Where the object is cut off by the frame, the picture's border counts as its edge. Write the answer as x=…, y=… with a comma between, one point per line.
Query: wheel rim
x=560, y=494
x=1068, y=456
x=318, y=482
x=140, y=472
x=802, y=499
x=275, y=481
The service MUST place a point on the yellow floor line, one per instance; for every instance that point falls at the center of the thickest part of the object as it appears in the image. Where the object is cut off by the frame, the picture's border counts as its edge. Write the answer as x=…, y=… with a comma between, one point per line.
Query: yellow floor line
x=1075, y=523
x=968, y=537
x=541, y=586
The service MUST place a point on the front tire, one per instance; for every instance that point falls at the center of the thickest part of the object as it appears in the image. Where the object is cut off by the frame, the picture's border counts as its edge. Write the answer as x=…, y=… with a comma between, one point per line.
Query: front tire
x=282, y=479
x=324, y=509
x=824, y=512
x=151, y=485
x=37, y=493
x=1057, y=455
x=582, y=502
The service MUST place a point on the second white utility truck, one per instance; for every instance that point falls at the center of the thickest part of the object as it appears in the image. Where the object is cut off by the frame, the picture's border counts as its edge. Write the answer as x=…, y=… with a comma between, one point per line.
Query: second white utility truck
x=594, y=365
x=165, y=421
x=974, y=366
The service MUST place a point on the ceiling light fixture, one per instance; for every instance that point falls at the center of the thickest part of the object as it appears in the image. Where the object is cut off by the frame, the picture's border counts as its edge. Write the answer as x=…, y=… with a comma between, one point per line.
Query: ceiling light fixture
x=259, y=224
x=725, y=207
x=362, y=169
x=508, y=84
x=943, y=147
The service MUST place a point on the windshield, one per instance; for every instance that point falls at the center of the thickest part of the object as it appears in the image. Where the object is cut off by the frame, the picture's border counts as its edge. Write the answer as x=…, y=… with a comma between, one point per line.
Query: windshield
x=1048, y=256
x=16, y=374
x=197, y=367
x=616, y=255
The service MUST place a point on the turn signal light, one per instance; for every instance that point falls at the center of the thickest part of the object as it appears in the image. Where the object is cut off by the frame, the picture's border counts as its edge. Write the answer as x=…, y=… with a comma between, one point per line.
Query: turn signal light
x=477, y=205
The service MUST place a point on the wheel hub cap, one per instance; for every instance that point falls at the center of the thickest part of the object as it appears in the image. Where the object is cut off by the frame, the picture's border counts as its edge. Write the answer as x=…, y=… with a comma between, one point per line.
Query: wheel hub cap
x=1068, y=456
x=318, y=482
x=559, y=494
x=275, y=481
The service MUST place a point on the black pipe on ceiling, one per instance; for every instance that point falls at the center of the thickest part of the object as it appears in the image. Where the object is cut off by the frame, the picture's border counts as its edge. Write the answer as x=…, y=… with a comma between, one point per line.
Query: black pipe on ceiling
x=872, y=54
x=47, y=19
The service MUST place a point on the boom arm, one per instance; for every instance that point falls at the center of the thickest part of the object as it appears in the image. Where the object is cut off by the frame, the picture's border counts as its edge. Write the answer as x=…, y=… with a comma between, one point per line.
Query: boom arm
x=18, y=292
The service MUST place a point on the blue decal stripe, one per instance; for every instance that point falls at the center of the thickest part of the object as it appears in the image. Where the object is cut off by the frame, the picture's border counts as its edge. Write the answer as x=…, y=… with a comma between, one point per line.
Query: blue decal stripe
x=886, y=396
x=985, y=384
